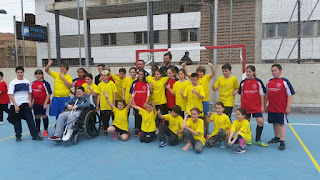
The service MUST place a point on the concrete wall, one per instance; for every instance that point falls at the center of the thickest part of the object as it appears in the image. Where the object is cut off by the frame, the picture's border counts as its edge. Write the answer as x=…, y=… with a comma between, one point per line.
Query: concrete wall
x=301, y=76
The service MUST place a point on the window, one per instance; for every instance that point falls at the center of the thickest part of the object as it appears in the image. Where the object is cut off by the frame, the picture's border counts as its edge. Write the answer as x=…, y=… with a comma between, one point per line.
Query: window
x=139, y=36
x=270, y=30
x=308, y=28
x=109, y=39
x=188, y=35
x=282, y=29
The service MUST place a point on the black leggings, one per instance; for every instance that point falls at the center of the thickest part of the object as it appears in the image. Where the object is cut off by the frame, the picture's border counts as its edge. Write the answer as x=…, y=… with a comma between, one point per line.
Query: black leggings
x=163, y=110
x=45, y=123
x=105, y=117
x=228, y=112
x=3, y=107
x=137, y=120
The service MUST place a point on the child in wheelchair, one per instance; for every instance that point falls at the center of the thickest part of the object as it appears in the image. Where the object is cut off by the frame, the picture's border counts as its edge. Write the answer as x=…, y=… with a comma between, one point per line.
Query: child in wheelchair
x=67, y=119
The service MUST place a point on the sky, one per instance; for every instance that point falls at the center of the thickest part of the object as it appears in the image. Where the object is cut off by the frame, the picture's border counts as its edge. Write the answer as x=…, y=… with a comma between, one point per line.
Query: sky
x=13, y=8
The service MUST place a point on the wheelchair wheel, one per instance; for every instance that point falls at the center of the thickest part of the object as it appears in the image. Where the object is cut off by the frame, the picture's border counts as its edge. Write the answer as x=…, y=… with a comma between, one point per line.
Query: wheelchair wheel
x=92, y=124
x=76, y=138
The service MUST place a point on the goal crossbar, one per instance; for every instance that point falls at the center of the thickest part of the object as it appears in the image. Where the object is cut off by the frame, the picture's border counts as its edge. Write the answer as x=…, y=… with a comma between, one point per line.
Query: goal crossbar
x=241, y=46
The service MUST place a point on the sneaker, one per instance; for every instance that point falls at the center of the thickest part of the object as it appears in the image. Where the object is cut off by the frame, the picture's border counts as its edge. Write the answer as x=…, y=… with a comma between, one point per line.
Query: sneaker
x=18, y=139
x=1, y=122
x=136, y=132
x=105, y=133
x=115, y=135
x=240, y=150
x=187, y=147
x=45, y=133
x=249, y=143
x=39, y=133
x=206, y=136
x=139, y=134
x=274, y=141
x=38, y=138
x=282, y=146
x=162, y=144
x=260, y=143
x=223, y=145
x=68, y=135
x=55, y=138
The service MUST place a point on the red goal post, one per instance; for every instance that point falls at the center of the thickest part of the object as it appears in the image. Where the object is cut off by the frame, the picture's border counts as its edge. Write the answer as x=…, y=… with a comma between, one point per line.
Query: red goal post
x=242, y=48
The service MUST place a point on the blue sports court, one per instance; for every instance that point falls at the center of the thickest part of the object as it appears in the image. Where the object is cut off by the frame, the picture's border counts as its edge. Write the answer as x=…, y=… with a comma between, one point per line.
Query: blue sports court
x=104, y=158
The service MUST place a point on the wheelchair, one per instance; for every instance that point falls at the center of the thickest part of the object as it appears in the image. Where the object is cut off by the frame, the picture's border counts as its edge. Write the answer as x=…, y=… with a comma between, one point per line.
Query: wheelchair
x=89, y=121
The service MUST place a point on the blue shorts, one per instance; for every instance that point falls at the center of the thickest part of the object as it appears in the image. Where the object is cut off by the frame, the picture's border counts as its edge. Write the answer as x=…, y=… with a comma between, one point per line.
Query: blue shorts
x=206, y=107
x=279, y=118
x=38, y=110
x=57, y=105
x=255, y=115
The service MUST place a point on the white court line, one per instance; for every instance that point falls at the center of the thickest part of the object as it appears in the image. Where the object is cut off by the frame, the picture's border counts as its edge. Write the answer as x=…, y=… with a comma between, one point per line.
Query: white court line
x=297, y=124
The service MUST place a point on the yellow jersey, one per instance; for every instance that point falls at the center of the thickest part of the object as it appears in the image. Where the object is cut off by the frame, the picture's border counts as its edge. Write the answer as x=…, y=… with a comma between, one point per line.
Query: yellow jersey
x=219, y=122
x=175, y=123
x=119, y=83
x=193, y=100
x=60, y=88
x=158, y=92
x=177, y=88
x=148, y=120
x=198, y=127
x=94, y=87
x=121, y=118
x=244, y=126
x=227, y=86
x=205, y=81
x=127, y=85
x=110, y=88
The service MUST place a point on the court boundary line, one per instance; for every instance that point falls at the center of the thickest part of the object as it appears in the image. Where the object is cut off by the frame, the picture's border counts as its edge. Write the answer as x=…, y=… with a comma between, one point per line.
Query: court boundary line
x=296, y=124
x=21, y=134
x=305, y=148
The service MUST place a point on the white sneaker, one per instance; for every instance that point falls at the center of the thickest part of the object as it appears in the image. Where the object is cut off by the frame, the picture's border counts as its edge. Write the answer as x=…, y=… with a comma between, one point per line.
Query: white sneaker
x=68, y=135
x=1, y=122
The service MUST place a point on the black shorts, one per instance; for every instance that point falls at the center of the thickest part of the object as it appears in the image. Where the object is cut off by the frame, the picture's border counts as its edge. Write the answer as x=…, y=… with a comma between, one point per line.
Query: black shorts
x=120, y=130
x=38, y=110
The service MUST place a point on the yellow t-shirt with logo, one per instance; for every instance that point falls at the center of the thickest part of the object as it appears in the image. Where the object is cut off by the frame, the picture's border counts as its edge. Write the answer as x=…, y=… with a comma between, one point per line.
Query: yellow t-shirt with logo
x=219, y=122
x=94, y=87
x=119, y=83
x=204, y=81
x=148, y=120
x=127, y=85
x=227, y=86
x=193, y=100
x=177, y=88
x=60, y=88
x=198, y=127
x=244, y=126
x=110, y=88
x=158, y=92
x=175, y=123
x=121, y=118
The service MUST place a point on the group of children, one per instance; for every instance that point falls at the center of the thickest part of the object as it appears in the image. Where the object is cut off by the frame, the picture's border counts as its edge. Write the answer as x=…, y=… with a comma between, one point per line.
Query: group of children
x=152, y=97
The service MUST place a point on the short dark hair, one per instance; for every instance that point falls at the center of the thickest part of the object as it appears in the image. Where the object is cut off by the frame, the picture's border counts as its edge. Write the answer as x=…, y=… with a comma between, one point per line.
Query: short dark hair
x=154, y=66
x=123, y=70
x=65, y=66
x=195, y=75
x=176, y=109
x=226, y=66
x=278, y=66
x=141, y=61
x=19, y=68
x=81, y=88
x=168, y=54
x=196, y=109
x=82, y=69
x=242, y=111
x=89, y=75
x=102, y=65
x=123, y=102
x=133, y=68
x=201, y=69
x=1, y=74
x=219, y=103
x=38, y=71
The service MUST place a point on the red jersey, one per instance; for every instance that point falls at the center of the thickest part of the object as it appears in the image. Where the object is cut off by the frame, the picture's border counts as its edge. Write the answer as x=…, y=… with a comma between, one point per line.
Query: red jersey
x=78, y=82
x=40, y=90
x=142, y=92
x=278, y=90
x=171, y=100
x=250, y=91
x=4, y=98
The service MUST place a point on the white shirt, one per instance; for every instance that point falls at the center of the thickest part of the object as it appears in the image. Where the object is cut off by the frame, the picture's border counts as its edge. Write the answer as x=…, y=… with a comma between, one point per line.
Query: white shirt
x=20, y=90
